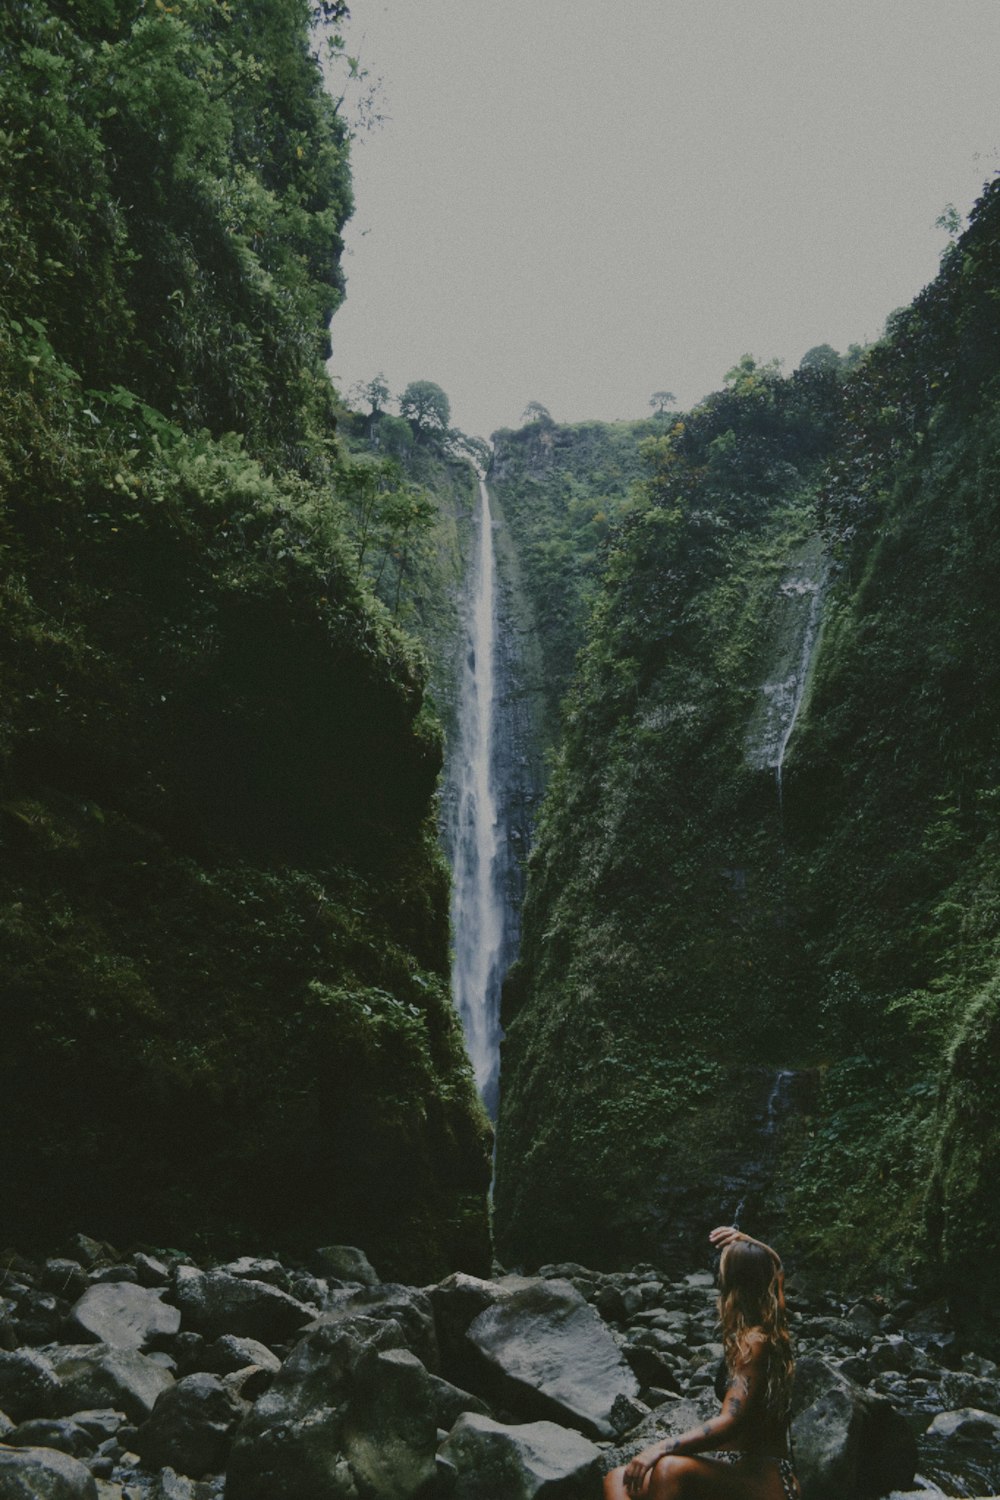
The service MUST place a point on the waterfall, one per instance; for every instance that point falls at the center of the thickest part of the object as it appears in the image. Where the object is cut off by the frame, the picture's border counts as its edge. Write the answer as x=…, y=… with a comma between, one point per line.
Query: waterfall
x=477, y=909
x=796, y=622
x=754, y=1188
x=809, y=637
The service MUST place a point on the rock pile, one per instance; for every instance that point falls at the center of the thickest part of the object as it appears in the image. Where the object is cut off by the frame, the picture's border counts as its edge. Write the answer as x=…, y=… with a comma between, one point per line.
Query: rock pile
x=152, y=1378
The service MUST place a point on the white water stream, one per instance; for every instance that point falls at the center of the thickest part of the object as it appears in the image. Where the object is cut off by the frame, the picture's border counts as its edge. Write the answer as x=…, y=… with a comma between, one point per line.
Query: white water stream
x=477, y=914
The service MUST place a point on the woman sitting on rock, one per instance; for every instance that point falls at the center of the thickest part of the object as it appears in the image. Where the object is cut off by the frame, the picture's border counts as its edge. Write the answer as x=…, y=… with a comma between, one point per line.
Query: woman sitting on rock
x=748, y=1440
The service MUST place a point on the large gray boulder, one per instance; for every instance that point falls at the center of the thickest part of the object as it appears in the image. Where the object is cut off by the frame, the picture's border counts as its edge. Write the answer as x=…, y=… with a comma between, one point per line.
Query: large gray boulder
x=124, y=1315
x=291, y=1446
x=535, y=1459
x=43, y=1474
x=191, y=1427
x=215, y=1303
x=406, y=1306
x=847, y=1440
x=551, y=1356
x=390, y=1434
x=29, y=1385
x=96, y=1375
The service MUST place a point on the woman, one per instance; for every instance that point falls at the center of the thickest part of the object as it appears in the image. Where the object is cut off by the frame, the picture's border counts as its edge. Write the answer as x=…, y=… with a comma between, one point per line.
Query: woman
x=748, y=1440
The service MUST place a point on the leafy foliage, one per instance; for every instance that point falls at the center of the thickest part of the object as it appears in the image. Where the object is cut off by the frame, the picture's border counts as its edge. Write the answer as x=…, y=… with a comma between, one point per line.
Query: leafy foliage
x=223, y=907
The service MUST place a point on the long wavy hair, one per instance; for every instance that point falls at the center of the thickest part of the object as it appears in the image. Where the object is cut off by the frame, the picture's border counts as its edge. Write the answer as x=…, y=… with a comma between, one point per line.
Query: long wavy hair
x=752, y=1300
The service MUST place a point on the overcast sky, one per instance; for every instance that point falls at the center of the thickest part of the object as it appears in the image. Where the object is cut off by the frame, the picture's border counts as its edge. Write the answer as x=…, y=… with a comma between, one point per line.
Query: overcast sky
x=580, y=202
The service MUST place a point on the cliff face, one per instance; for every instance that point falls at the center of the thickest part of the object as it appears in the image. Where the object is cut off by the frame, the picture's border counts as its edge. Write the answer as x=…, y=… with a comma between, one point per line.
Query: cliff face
x=560, y=489
x=802, y=588
x=225, y=923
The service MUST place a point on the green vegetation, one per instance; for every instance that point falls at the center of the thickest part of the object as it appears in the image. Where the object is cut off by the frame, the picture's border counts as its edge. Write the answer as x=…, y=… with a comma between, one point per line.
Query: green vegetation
x=225, y=954
x=682, y=925
x=560, y=490
x=656, y=887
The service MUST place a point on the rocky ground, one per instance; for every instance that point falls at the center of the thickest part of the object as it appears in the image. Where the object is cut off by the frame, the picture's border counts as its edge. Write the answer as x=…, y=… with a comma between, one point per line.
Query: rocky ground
x=149, y=1377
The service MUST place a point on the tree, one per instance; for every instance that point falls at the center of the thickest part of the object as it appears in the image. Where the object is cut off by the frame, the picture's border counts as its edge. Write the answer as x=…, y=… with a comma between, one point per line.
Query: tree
x=536, y=412
x=376, y=392
x=821, y=357
x=661, y=400
x=426, y=407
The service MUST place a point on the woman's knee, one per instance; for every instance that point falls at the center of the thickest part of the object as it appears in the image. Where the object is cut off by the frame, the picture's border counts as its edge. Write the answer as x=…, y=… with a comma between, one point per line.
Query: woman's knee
x=674, y=1479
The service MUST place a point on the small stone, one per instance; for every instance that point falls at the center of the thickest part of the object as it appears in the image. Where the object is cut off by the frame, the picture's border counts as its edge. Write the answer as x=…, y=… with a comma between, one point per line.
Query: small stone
x=627, y=1412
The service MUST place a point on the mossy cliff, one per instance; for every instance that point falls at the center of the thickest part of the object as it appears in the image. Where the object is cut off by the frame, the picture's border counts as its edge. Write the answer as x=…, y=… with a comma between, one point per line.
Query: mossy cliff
x=559, y=490
x=224, y=914
x=691, y=925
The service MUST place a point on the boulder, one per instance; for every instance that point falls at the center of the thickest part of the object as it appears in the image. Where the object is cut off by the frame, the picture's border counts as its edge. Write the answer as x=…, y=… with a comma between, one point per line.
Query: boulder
x=124, y=1315
x=90, y=1251
x=345, y=1263
x=44, y=1474
x=456, y=1301
x=407, y=1306
x=169, y=1485
x=96, y=1375
x=958, y=1390
x=253, y=1268
x=390, y=1435
x=64, y=1278
x=29, y=1385
x=552, y=1356
x=62, y=1433
x=968, y=1424
x=191, y=1427
x=847, y=1440
x=215, y=1303
x=450, y=1401
x=668, y=1420
x=149, y=1270
x=39, y=1317
x=894, y=1353
x=518, y=1463
x=229, y=1354
x=291, y=1445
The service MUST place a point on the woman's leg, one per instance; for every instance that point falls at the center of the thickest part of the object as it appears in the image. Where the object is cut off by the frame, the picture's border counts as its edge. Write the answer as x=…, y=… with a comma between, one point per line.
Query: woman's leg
x=680, y=1478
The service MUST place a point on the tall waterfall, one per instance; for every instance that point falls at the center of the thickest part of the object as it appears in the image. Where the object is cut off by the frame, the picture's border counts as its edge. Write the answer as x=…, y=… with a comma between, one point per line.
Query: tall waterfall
x=477, y=910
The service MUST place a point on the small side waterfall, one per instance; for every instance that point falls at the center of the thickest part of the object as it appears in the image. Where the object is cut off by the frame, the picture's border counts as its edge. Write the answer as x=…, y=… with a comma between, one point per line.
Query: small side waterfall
x=758, y=1169
x=798, y=617
x=477, y=911
x=809, y=637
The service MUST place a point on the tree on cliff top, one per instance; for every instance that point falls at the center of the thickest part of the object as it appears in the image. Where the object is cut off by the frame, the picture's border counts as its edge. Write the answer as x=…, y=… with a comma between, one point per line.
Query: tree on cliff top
x=426, y=407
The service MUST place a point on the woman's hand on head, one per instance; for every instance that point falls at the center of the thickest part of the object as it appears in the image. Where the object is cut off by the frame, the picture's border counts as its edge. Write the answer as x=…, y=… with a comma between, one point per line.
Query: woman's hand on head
x=725, y=1234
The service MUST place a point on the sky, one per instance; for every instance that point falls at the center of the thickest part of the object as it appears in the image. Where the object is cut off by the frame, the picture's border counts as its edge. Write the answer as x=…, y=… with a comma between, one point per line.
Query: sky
x=581, y=202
